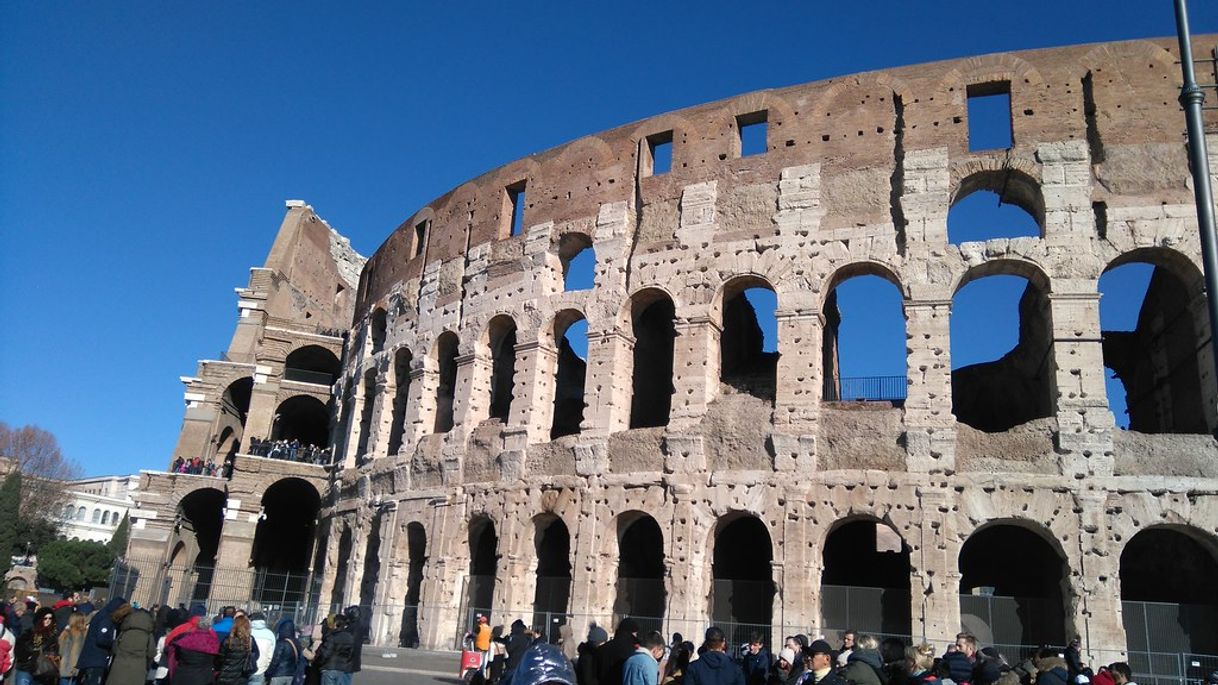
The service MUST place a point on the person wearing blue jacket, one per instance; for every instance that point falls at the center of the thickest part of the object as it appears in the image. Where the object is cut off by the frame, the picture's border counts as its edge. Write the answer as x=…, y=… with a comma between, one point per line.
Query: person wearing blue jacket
x=714, y=667
x=643, y=667
x=95, y=654
x=756, y=661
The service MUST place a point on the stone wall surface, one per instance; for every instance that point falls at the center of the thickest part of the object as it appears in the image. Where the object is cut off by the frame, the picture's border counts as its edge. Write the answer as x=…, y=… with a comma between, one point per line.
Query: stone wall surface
x=857, y=178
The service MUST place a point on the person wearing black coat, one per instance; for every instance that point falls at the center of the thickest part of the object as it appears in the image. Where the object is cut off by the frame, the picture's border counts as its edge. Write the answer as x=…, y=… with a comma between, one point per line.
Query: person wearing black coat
x=358, y=634
x=517, y=642
x=587, y=666
x=285, y=660
x=95, y=654
x=333, y=657
x=613, y=654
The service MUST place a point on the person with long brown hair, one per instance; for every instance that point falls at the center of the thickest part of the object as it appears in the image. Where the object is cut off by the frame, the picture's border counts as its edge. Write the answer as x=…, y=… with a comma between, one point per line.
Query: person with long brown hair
x=238, y=654
x=71, y=640
x=37, y=652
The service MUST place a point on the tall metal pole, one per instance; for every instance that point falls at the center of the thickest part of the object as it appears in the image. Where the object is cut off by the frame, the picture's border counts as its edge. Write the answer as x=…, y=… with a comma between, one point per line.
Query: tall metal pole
x=1191, y=98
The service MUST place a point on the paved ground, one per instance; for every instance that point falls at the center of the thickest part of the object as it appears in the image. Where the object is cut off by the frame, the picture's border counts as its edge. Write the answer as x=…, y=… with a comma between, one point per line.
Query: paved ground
x=386, y=666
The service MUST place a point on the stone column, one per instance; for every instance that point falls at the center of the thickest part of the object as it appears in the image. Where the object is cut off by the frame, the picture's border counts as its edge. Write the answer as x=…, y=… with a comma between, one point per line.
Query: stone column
x=233, y=579
x=802, y=561
x=1085, y=424
x=935, y=574
x=260, y=419
x=929, y=422
x=387, y=605
x=420, y=407
x=798, y=389
x=1098, y=614
x=471, y=402
x=533, y=401
x=607, y=388
x=382, y=417
x=695, y=370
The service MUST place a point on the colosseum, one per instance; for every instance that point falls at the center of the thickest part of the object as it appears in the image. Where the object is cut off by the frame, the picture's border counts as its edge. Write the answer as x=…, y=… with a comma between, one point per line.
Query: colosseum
x=681, y=472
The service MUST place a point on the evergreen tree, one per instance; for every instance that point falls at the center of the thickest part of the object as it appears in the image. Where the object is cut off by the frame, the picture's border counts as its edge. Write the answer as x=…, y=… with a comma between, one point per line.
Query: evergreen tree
x=10, y=508
x=118, y=543
x=68, y=565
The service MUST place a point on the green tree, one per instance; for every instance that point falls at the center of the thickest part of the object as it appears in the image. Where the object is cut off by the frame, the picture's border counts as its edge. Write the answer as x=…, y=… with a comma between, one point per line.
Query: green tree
x=69, y=565
x=118, y=543
x=10, y=508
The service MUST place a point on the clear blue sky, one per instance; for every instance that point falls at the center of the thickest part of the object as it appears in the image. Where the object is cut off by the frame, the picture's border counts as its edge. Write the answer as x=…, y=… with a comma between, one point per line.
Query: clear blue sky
x=146, y=148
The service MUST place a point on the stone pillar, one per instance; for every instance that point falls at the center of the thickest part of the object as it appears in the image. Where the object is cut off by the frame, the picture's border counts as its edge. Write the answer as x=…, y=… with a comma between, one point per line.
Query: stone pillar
x=533, y=401
x=798, y=389
x=420, y=407
x=382, y=418
x=929, y=422
x=607, y=388
x=1085, y=424
x=260, y=419
x=233, y=580
x=388, y=603
x=696, y=362
x=688, y=561
x=802, y=562
x=935, y=573
x=1066, y=188
x=1098, y=614
x=472, y=400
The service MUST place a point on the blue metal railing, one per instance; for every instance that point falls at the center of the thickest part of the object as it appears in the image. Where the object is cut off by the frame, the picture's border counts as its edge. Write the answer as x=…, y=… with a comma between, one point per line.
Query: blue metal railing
x=868, y=389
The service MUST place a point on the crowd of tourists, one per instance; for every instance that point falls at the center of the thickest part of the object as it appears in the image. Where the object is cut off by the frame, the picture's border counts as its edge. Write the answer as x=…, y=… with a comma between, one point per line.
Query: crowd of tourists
x=195, y=467
x=73, y=643
x=634, y=657
x=291, y=450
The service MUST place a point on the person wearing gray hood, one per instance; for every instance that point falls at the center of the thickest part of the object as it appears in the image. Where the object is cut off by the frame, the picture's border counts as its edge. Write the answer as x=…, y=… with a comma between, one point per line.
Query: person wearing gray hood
x=865, y=666
x=265, y=639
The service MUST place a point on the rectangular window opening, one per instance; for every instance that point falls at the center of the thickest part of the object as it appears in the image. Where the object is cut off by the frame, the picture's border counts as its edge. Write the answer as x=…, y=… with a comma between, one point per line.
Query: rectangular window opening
x=989, y=116
x=659, y=154
x=420, y=236
x=515, y=208
x=752, y=129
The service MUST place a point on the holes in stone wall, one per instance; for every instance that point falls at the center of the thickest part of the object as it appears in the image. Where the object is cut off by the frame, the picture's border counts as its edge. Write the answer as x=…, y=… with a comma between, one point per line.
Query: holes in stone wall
x=864, y=339
x=652, y=382
x=989, y=116
x=446, y=365
x=1151, y=316
x=578, y=259
x=1026, y=586
x=513, y=208
x=748, y=346
x=501, y=341
x=401, y=394
x=657, y=159
x=752, y=129
x=571, y=337
x=1002, y=351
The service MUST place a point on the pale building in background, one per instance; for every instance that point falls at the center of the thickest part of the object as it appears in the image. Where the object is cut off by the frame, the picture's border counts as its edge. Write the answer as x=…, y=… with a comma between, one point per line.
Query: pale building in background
x=95, y=506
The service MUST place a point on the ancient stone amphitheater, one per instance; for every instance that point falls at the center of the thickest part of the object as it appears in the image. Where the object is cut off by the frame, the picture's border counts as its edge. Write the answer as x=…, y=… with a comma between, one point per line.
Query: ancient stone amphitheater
x=681, y=474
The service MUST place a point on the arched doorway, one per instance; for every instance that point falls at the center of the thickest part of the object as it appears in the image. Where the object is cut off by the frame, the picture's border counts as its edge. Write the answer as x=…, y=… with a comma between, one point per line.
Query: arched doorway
x=483, y=565
x=742, y=595
x=552, y=543
x=339, y=592
x=229, y=430
x=865, y=579
x=1168, y=602
x=1011, y=586
x=652, y=314
x=200, y=520
x=748, y=346
x=416, y=548
x=283, y=542
x=303, y=418
x=640, y=571
x=311, y=364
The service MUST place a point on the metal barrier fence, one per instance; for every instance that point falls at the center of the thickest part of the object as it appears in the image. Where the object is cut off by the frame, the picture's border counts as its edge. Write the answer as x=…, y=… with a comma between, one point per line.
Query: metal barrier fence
x=869, y=389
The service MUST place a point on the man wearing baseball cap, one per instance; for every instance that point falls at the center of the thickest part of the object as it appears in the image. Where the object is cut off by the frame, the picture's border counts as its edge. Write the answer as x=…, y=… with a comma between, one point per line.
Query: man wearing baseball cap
x=818, y=657
x=714, y=667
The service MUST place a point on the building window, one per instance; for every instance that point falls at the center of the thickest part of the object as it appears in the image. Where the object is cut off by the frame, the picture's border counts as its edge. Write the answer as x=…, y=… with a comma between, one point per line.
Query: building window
x=752, y=129
x=658, y=158
x=420, y=236
x=97, y=515
x=989, y=116
x=513, y=208
x=80, y=514
x=105, y=517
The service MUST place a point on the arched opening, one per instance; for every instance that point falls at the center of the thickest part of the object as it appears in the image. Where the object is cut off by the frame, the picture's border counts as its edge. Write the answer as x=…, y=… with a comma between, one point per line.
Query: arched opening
x=338, y=594
x=483, y=565
x=303, y=418
x=742, y=594
x=416, y=549
x=1011, y=587
x=234, y=407
x=865, y=581
x=446, y=365
x=652, y=314
x=748, y=346
x=200, y=519
x=1152, y=314
x=996, y=204
x=283, y=542
x=311, y=364
x=379, y=330
x=1002, y=351
x=501, y=339
x=372, y=571
x=571, y=334
x=1168, y=603
x=578, y=259
x=227, y=444
x=552, y=544
x=864, y=341
x=401, y=394
x=640, y=571
x=366, y=411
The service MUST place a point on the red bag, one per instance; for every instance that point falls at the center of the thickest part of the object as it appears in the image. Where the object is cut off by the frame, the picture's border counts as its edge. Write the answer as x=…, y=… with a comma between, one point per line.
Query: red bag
x=470, y=660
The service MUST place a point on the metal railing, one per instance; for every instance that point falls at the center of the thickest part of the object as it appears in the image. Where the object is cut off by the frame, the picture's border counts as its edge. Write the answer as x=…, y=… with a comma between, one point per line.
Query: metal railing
x=306, y=376
x=868, y=389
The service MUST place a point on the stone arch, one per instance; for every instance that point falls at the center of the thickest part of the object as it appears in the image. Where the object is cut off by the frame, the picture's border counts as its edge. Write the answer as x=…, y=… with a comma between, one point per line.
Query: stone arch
x=1014, y=181
x=744, y=360
x=483, y=546
x=743, y=589
x=311, y=364
x=572, y=248
x=283, y=541
x=651, y=312
x=1008, y=266
x=552, y=544
x=884, y=379
x=403, y=361
x=304, y=418
x=415, y=534
x=569, y=372
x=865, y=576
x=233, y=409
x=198, y=525
x=641, y=569
x=990, y=68
x=443, y=358
x=1029, y=589
x=498, y=341
x=378, y=329
x=1166, y=583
